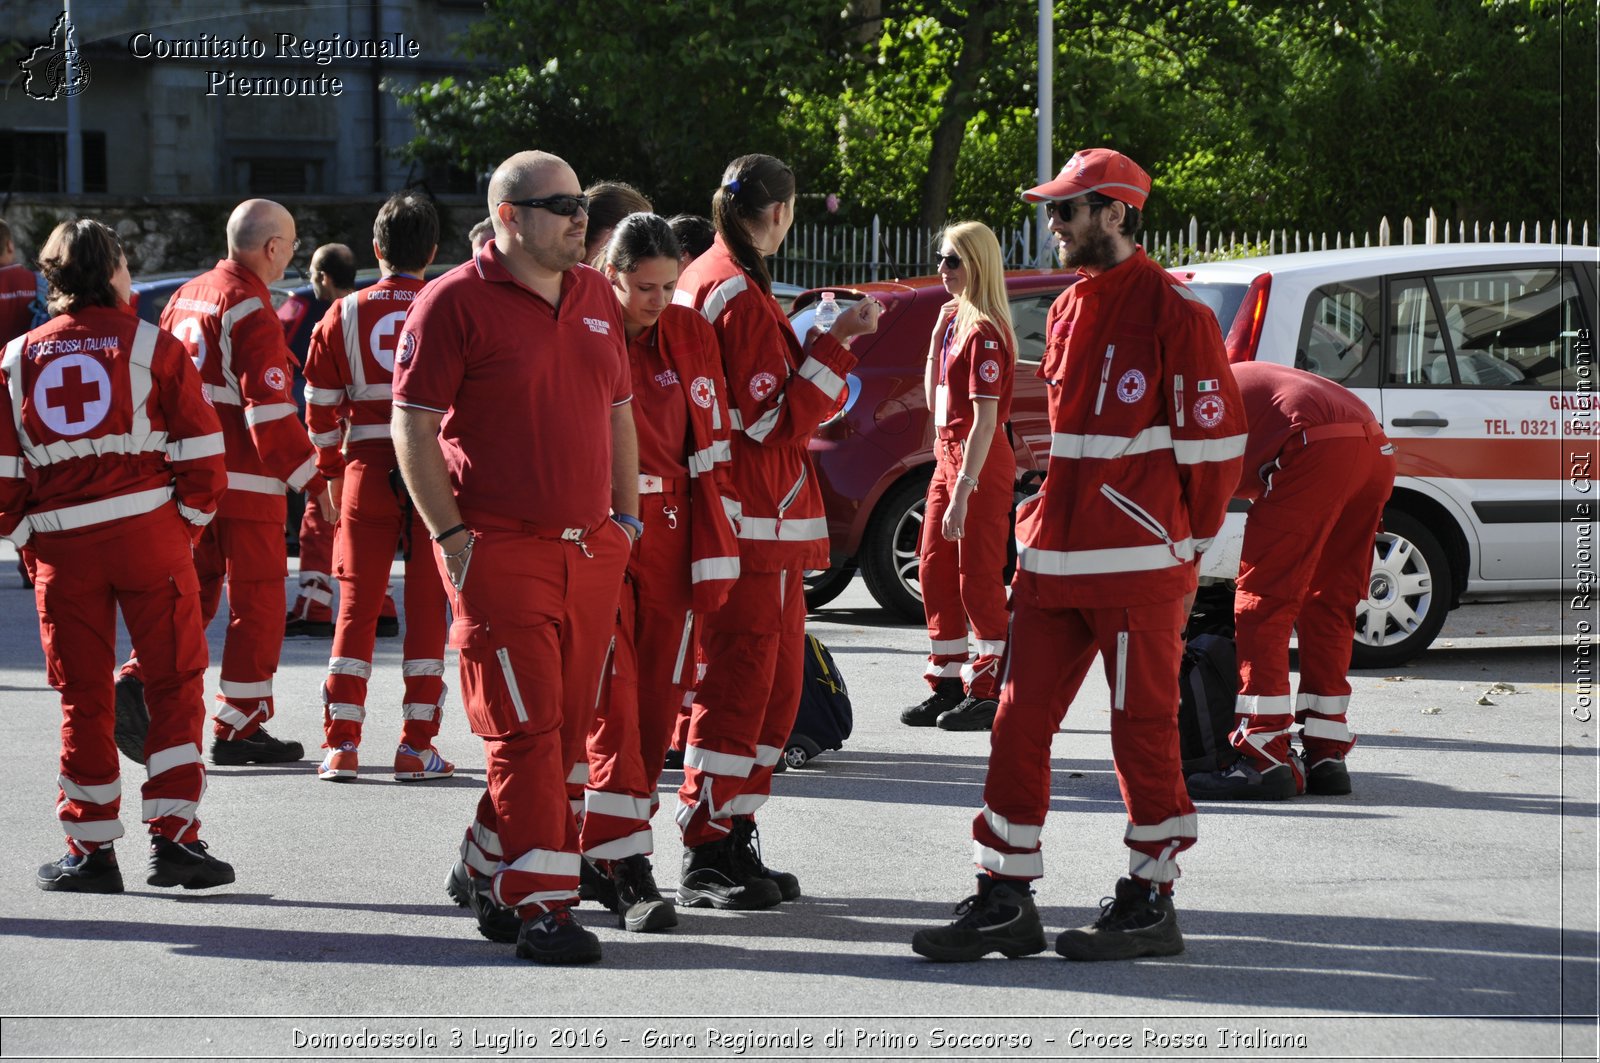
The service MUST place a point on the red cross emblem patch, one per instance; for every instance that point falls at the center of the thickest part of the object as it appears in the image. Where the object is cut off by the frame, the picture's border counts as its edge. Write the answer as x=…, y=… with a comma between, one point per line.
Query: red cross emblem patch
x=702, y=392
x=72, y=394
x=762, y=385
x=1208, y=411
x=1131, y=387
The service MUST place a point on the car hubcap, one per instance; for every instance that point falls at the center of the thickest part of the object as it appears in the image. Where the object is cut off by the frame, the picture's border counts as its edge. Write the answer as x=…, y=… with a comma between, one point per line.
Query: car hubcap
x=1399, y=594
x=907, y=544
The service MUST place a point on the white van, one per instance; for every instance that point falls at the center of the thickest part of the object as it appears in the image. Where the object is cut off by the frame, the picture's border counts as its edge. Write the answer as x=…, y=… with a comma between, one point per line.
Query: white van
x=1478, y=360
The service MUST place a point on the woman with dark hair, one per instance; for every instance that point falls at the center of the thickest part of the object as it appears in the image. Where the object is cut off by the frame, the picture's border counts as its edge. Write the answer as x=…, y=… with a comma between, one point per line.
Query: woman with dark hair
x=962, y=556
x=753, y=645
x=680, y=569
x=609, y=203
x=110, y=466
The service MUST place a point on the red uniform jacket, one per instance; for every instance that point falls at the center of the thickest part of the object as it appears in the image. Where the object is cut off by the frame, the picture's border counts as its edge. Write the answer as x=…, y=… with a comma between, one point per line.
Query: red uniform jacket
x=1147, y=436
x=225, y=319
x=350, y=369
x=779, y=393
x=19, y=285
x=1281, y=403
x=102, y=417
x=686, y=346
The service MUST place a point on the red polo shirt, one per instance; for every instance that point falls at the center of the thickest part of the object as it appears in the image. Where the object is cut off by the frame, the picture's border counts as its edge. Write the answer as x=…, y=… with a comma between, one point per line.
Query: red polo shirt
x=659, y=412
x=526, y=389
x=982, y=367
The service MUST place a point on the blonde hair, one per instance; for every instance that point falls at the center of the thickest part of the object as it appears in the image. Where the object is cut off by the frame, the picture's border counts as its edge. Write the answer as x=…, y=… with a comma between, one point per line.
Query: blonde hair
x=983, y=298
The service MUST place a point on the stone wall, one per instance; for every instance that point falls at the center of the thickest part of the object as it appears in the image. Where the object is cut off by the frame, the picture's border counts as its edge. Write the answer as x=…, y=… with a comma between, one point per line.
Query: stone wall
x=169, y=235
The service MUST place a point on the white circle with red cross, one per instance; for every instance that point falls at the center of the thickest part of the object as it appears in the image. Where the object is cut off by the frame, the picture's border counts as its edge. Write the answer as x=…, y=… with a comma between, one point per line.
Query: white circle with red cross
x=989, y=371
x=378, y=340
x=72, y=394
x=1131, y=387
x=701, y=391
x=1208, y=411
x=762, y=385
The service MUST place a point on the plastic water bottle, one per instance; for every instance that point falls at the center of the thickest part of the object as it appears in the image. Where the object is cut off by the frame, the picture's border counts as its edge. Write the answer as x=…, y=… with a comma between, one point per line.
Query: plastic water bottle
x=827, y=312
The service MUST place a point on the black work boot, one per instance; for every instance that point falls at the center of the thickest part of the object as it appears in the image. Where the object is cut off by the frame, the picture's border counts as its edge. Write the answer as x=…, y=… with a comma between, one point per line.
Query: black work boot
x=595, y=885
x=96, y=873
x=1138, y=921
x=132, y=716
x=1000, y=917
x=973, y=714
x=1245, y=782
x=185, y=864
x=470, y=890
x=640, y=906
x=259, y=748
x=746, y=840
x=715, y=876
x=1327, y=777
x=947, y=694
x=555, y=937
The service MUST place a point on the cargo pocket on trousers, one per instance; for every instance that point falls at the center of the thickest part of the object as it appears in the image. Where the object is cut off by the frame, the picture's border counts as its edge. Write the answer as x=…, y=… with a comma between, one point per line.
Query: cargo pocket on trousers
x=1146, y=655
x=490, y=689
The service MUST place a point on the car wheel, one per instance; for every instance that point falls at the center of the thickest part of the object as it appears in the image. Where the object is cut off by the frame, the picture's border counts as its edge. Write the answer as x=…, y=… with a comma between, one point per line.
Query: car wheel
x=799, y=750
x=1408, y=594
x=889, y=559
x=824, y=587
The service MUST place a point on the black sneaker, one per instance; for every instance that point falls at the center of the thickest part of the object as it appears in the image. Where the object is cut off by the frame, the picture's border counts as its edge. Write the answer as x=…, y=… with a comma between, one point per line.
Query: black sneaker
x=640, y=906
x=96, y=873
x=1244, y=782
x=1328, y=777
x=673, y=760
x=714, y=876
x=185, y=864
x=133, y=717
x=947, y=694
x=595, y=885
x=472, y=891
x=388, y=627
x=556, y=937
x=973, y=714
x=295, y=626
x=746, y=840
x=1136, y=922
x=259, y=748
x=1000, y=917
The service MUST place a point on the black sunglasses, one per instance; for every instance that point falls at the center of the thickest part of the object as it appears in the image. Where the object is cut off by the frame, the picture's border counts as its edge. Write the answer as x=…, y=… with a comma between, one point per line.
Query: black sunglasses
x=951, y=261
x=1066, y=208
x=564, y=205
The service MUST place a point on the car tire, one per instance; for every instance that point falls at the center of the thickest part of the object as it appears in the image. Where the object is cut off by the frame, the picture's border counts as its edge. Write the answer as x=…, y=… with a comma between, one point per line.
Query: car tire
x=824, y=587
x=888, y=557
x=1409, y=594
x=800, y=750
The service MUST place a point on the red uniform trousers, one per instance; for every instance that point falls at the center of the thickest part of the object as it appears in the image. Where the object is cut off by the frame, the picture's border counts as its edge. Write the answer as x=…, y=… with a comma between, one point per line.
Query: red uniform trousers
x=1050, y=653
x=1306, y=562
x=745, y=707
x=314, y=598
x=142, y=564
x=965, y=580
x=370, y=523
x=533, y=624
x=251, y=556
x=652, y=669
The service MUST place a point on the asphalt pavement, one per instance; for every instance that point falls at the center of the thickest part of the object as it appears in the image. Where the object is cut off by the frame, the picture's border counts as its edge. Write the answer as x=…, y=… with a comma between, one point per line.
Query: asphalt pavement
x=1444, y=910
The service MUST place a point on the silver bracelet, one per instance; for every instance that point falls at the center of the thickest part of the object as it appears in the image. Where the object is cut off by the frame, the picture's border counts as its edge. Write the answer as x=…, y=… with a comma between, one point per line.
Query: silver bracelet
x=970, y=481
x=463, y=552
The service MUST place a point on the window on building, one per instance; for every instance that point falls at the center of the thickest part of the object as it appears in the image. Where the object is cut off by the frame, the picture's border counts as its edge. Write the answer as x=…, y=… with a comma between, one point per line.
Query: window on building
x=36, y=160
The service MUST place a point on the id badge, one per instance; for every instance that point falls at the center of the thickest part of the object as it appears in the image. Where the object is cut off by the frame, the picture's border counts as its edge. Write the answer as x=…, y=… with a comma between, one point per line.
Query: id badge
x=941, y=405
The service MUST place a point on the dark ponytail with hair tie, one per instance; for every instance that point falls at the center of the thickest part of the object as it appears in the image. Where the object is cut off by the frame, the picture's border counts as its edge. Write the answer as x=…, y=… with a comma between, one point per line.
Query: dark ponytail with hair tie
x=750, y=185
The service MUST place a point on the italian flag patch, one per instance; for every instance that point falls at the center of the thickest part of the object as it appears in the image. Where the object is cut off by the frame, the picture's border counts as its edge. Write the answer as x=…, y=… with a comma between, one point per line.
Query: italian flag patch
x=1206, y=385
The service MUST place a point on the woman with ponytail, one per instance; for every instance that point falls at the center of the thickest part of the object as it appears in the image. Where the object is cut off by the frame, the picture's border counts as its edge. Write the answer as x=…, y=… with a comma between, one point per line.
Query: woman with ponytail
x=778, y=392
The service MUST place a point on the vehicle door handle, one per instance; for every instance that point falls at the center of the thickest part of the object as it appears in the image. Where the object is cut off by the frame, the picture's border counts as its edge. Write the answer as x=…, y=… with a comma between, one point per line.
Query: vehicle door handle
x=1419, y=422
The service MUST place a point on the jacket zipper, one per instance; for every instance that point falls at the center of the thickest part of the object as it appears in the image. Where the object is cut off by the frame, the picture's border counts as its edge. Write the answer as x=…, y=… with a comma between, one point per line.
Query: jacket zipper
x=1177, y=398
x=1105, y=376
x=1140, y=516
x=1119, y=699
x=788, y=500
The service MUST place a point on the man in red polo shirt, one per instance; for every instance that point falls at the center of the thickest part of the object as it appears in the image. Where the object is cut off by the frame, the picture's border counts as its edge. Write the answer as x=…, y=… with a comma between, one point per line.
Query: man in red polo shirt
x=21, y=291
x=513, y=426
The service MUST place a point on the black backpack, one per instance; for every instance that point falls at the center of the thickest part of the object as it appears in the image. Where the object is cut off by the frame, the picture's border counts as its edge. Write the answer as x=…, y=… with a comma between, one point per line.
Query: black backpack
x=1208, y=689
x=825, y=717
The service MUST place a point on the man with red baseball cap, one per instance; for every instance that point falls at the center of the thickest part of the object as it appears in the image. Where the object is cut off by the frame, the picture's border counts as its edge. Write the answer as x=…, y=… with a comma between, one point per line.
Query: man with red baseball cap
x=1147, y=437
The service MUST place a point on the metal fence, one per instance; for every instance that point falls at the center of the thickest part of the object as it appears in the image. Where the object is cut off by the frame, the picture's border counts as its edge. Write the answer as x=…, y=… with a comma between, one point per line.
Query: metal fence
x=817, y=254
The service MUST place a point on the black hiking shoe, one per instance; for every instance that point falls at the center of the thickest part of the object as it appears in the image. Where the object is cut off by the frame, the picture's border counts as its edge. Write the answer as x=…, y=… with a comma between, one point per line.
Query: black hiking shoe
x=715, y=876
x=595, y=885
x=640, y=906
x=472, y=891
x=973, y=714
x=96, y=873
x=296, y=626
x=673, y=760
x=259, y=748
x=1000, y=917
x=556, y=937
x=1138, y=921
x=746, y=840
x=133, y=717
x=185, y=864
x=388, y=627
x=947, y=694
x=1244, y=782
x=1328, y=777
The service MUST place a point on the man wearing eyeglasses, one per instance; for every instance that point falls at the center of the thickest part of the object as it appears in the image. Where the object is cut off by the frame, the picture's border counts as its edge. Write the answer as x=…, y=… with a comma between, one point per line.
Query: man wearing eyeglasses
x=1147, y=440
x=513, y=424
x=226, y=320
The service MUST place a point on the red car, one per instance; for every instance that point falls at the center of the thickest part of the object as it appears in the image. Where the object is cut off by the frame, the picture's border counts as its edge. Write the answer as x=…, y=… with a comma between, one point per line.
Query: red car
x=875, y=456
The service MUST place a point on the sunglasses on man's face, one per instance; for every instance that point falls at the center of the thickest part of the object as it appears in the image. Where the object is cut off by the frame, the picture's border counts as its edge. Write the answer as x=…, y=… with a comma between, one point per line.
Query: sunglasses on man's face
x=1066, y=208
x=564, y=205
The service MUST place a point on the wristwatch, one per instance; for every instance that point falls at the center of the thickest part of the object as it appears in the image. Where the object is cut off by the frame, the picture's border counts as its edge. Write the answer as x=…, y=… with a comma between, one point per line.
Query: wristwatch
x=628, y=520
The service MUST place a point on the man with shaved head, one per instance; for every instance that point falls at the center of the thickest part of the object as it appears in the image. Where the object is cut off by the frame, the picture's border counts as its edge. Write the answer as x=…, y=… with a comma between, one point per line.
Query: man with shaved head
x=225, y=319
x=513, y=425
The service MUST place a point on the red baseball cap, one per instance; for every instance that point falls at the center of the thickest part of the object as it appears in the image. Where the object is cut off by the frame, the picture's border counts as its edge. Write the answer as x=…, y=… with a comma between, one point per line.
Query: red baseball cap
x=1102, y=170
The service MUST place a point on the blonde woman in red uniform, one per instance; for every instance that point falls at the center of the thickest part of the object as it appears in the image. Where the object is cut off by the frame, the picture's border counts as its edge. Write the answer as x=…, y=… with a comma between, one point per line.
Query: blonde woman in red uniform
x=971, y=362
x=681, y=568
